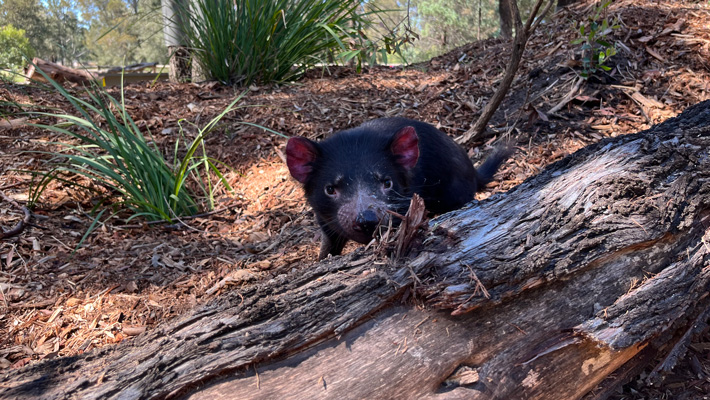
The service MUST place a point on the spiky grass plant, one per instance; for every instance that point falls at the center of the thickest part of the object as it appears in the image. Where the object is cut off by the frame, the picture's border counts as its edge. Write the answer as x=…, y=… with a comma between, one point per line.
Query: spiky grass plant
x=269, y=41
x=113, y=152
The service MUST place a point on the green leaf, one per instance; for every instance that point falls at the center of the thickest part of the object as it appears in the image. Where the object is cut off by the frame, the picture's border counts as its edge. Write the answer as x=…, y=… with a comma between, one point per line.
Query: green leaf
x=604, y=43
x=114, y=153
x=88, y=232
x=277, y=40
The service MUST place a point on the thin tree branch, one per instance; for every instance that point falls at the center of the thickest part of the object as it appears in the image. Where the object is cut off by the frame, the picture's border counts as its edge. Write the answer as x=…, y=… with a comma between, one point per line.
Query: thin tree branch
x=522, y=34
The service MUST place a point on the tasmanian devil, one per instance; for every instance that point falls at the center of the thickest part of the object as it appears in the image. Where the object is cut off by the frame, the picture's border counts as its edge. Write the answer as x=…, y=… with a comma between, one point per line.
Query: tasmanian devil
x=352, y=178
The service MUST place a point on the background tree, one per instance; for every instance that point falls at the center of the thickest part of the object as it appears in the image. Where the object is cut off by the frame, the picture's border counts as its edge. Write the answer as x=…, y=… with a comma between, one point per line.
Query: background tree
x=447, y=24
x=151, y=47
x=505, y=13
x=14, y=45
x=123, y=31
x=109, y=32
x=65, y=41
x=28, y=15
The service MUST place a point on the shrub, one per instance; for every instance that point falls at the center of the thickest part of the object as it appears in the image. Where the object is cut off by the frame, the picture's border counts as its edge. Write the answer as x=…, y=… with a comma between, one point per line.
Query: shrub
x=114, y=153
x=596, y=48
x=274, y=40
x=14, y=46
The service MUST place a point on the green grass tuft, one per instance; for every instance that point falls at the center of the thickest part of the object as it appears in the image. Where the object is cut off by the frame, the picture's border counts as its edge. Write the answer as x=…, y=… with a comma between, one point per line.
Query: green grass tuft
x=277, y=40
x=114, y=153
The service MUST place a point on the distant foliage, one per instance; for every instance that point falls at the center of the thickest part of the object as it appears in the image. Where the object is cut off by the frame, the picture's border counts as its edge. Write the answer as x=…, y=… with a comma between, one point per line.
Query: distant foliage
x=443, y=25
x=594, y=38
x=64, y=41
x=53, y=27
x=447, y=24
x=378, y=37
x=122, y=32
x=30, y=16
x=109, y=32
x=277, y=40
x=14, y=46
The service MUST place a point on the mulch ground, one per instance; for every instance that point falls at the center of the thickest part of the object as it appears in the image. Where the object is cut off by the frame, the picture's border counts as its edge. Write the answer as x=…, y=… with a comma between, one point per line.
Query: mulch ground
x=125, y=278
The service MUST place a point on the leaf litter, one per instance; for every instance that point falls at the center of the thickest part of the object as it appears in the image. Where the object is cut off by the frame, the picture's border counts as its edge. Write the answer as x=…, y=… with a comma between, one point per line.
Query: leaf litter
x=127, y=278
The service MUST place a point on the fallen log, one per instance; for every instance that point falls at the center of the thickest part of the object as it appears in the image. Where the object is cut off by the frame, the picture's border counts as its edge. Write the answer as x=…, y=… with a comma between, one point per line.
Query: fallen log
x=597, y=264
x=57, y=72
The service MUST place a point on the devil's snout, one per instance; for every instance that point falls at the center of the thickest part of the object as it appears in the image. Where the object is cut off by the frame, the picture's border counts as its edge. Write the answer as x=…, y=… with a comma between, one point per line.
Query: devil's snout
x=366, y=222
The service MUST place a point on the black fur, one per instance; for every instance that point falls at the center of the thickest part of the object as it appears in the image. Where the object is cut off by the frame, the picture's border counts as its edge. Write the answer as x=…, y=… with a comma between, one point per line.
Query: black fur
x=356, y=165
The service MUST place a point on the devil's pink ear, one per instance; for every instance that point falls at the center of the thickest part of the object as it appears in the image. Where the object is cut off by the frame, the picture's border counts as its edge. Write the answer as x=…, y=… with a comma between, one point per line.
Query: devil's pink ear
x=405, y=146
x=300, y=154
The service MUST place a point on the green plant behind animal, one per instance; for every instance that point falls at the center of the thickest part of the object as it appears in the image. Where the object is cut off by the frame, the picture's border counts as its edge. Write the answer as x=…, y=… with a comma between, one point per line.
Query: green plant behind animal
x=277, y=40
x=114, y=153
x=596, y=47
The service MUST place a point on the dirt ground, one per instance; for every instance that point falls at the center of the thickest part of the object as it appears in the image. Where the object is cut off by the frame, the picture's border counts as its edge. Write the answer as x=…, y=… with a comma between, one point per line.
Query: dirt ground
x=56, y=300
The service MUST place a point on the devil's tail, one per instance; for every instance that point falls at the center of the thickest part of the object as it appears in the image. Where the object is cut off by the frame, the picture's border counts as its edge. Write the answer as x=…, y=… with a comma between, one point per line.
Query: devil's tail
x=490, y=166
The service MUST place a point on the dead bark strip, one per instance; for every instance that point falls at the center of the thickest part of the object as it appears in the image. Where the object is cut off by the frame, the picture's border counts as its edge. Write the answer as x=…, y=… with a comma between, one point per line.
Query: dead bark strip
x=594, y=264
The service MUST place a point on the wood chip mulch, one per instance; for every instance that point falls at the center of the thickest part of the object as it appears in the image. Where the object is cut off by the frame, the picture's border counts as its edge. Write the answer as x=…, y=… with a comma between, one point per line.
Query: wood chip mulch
x=57, y=300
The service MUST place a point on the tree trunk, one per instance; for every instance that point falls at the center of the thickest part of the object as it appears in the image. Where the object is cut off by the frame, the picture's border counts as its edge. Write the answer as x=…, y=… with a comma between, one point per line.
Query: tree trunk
x=599, y=262
x=179, y=70
x=505, y=13
x=175, y=19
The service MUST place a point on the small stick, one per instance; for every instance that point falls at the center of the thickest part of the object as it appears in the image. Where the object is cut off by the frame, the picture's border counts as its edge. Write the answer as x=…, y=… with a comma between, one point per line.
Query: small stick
x=572, y=93
x=17, y=229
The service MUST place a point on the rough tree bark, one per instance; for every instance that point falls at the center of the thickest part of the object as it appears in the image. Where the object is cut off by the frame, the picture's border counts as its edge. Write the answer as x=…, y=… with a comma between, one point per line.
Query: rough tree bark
x=179, y=70
x=595, y=265
x=505, y=14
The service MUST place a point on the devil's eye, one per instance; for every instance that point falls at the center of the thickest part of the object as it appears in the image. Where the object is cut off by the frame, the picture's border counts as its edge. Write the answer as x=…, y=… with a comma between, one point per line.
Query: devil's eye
x=387, y=183
x=330, y=190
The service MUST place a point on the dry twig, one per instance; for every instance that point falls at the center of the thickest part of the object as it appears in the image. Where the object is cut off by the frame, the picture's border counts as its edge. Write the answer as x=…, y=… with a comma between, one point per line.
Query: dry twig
x=410, y=224
x=522, y=34
x=20, y=226
x=568, y=97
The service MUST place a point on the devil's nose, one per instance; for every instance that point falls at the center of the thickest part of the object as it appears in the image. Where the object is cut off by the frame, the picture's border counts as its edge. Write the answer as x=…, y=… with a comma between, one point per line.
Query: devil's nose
x=366, y=222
